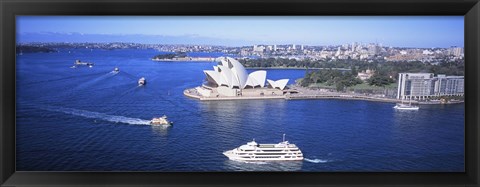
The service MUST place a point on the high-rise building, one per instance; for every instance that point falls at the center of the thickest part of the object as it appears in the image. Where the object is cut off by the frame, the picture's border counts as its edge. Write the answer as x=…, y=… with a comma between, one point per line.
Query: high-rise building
x=258, y=48
x=457, y=51
x=274, y=47
x=269, y=48
x=373, y=49
x=293, y=47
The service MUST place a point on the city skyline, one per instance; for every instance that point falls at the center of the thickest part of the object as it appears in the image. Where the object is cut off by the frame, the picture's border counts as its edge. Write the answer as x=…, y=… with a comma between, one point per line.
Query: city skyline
x=397, y=31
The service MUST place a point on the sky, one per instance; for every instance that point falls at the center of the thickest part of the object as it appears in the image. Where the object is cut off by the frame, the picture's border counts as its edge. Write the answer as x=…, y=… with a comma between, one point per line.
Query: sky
x=397, y=31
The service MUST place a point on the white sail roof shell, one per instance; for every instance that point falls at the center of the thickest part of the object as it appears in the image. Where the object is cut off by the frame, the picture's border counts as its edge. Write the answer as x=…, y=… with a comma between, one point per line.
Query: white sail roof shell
x=256, y=78
x=230, y=72
x=229, y=76
x=237, y=69
x=280, y=84
x=217, y=77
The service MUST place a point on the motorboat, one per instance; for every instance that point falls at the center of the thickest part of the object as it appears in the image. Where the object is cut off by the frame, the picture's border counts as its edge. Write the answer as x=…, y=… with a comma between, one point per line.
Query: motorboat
x=401, y=106
x=80, y=63
x=161, y=121
x=142, y=81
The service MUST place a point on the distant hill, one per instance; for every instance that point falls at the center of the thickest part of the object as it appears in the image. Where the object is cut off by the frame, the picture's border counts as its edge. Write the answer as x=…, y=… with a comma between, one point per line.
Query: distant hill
x=127, y=38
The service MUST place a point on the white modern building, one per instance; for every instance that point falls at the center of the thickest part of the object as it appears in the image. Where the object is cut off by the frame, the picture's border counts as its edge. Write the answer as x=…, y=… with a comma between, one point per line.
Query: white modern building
x=421, y=86
x=230, y=78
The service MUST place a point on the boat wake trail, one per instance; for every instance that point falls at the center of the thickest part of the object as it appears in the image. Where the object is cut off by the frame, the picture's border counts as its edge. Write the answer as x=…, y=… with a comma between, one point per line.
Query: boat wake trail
x=63, y=78
x=129, y=91
x=97, y=115
x=316, y=161
x=94, y=81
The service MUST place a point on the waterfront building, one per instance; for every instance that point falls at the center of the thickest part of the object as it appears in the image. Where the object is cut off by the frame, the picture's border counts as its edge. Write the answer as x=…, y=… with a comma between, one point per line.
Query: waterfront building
x=421, y=86
x=449, y=85
x=230, y=78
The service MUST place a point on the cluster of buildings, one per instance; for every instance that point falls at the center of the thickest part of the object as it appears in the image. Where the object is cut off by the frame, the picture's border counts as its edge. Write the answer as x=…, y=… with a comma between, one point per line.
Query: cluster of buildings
x=358, y=51
x=423, y=86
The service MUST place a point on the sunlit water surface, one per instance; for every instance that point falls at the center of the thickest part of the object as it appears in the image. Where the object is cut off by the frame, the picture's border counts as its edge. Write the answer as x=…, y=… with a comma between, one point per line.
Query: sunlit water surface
x=90, y=119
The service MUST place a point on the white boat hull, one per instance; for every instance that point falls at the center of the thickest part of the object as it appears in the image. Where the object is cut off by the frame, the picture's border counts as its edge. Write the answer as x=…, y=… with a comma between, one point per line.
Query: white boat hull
x=406, y=108
x=257, y=158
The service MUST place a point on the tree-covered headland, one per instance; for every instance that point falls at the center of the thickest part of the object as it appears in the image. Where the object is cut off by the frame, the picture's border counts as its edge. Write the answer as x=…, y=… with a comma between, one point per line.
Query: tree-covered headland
x=171, y=55
x=385, y=72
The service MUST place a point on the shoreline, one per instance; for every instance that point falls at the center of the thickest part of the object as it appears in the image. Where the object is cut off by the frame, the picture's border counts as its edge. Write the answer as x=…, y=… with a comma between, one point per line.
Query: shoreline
x=192, y=94
x=300, y=96
x=296, y=68
x=184, y=59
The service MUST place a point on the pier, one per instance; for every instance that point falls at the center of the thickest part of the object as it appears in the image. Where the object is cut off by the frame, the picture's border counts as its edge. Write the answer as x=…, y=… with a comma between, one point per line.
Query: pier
x=306, y=93
x=342, y=96
x=192, y=93
x=299, y=93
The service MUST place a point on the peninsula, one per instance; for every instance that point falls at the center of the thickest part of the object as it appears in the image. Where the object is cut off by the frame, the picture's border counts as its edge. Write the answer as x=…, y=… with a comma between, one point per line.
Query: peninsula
x=181, y=56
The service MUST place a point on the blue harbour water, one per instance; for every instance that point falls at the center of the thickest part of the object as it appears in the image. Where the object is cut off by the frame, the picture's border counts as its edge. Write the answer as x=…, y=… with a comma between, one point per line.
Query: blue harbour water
x=89, y=119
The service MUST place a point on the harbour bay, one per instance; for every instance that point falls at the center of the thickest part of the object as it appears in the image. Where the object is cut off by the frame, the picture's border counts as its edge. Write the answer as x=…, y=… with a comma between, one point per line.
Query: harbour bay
x=87, y=119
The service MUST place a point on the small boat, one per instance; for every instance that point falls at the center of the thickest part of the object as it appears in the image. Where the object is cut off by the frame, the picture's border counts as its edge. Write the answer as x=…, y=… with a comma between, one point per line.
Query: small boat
x=142, y=81
x=116, y=70
x=405, y=107
x=161, y=121
x=402, y=106
x=253, y=151
x=80, y=63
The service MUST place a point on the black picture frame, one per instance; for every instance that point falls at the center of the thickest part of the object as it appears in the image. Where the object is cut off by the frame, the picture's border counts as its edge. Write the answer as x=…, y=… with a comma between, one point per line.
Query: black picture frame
x=11, y=8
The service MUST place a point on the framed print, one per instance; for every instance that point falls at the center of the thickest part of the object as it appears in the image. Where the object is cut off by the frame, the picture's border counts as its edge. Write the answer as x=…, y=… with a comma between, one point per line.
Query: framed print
x=240, y=93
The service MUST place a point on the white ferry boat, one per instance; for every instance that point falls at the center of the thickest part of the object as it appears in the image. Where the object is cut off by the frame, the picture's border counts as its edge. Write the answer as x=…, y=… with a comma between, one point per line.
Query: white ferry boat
x=161, y=121
x=401, y=106
x=253, y=151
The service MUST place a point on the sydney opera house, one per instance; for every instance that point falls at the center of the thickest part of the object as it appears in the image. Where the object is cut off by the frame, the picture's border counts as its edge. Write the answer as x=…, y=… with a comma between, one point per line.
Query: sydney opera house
x=229, y=78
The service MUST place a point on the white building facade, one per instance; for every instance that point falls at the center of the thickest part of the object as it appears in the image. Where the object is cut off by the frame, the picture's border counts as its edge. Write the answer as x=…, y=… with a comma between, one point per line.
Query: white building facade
x=421, y=86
